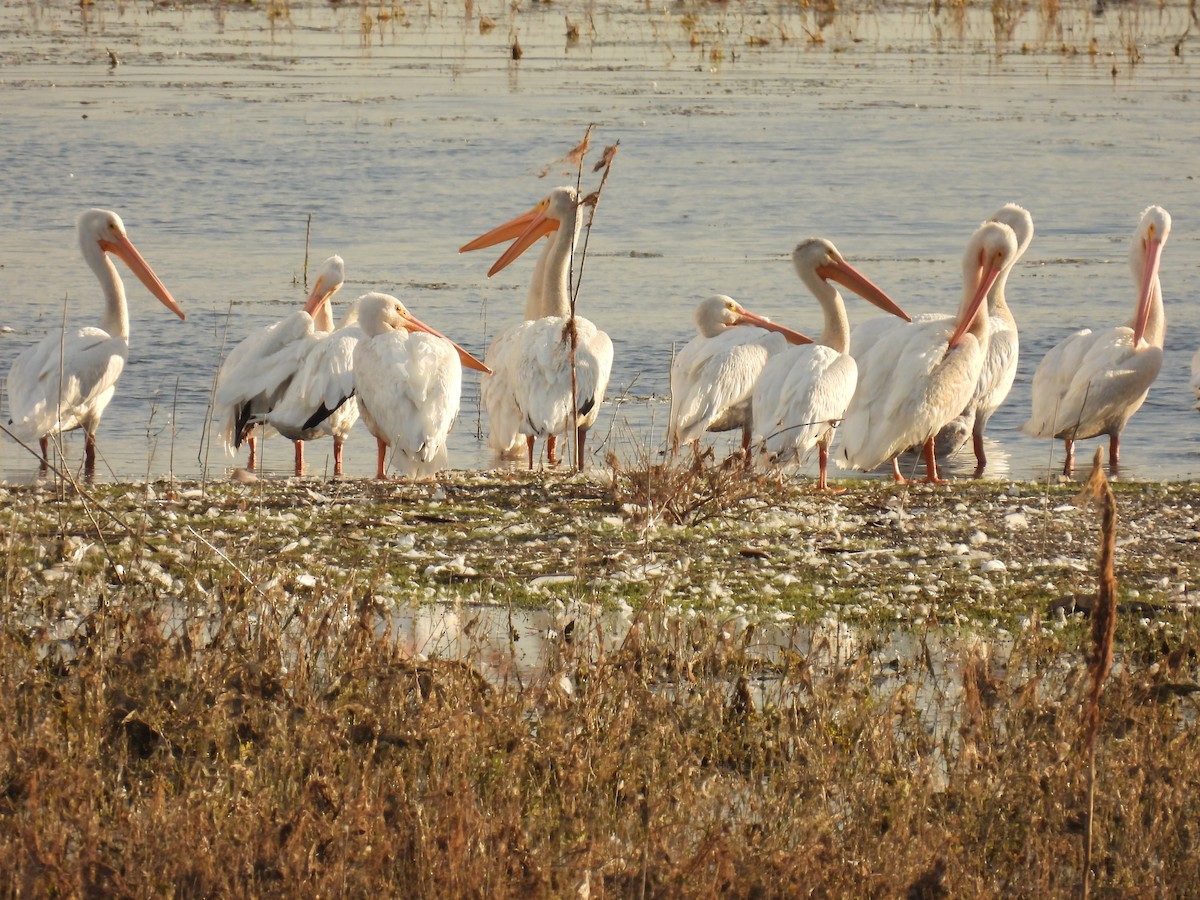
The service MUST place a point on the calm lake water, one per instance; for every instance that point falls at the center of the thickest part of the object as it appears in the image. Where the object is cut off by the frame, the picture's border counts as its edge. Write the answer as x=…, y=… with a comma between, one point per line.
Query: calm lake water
x=404, y=131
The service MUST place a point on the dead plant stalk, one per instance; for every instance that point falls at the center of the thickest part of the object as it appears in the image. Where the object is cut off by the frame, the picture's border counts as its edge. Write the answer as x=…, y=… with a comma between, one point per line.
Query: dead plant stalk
x=1104, y=621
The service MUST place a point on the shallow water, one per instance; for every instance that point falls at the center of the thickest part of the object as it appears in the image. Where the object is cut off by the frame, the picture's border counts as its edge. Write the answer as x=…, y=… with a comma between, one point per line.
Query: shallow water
x=223, y=129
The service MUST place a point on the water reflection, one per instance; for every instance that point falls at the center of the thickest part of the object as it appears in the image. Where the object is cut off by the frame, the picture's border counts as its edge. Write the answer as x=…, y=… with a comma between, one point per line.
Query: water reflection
x=220, y=134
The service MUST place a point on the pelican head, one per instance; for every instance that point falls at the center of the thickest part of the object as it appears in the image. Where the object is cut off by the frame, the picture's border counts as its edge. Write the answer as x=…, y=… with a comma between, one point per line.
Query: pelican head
x=104, y=229
x=1019, y=220
x=817, y=256
x=991, y=251
x=1144, y=256
x=717, y=313
x=559, y=206
x=329, y=280
x=381, y=313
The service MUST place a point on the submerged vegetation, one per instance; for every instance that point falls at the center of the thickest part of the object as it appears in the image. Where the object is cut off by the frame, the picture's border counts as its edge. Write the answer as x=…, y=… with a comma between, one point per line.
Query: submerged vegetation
x=714, y=34
x=208, y=690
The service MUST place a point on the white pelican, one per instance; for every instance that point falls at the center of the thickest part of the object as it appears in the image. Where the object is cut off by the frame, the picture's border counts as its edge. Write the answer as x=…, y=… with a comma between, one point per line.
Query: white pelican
x=408, y=380
x=529, y=393
x=803, y=391
x=1093, y=381
x=66, y=381
x=255, y=374
x=919, y=376
x=1196, y=374
x=1000, y=363
x=713, y=376
x=319, y=398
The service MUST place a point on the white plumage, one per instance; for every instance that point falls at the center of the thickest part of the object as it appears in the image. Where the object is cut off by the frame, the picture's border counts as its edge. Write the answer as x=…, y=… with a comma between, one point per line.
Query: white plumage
x=1000, y=362
x=319, y=399
x=803, y=391
x=919, y=376
x=1196, y=374
x=1092, y=382
x=256, y=373
x=408, y=380
x=528, y=395
x=67, y=380
x=713, y=376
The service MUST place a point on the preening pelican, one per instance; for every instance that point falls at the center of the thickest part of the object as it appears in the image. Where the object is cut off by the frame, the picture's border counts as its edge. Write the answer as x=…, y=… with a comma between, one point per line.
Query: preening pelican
x=713, y=376
x=529, y=392
x=803, y=391
x=919, y=376
x=1000, y=362
x=66, y=381
x=319, y=398
x=256, y=373
x=408, y=380
x=1093, y=381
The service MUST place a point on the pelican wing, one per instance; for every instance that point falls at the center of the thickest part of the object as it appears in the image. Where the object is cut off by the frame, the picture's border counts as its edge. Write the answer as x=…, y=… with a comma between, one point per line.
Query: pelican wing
x=712, y=379
x=999, y=368
x=319, y=399
x=541, y=381
x=800, y=398
x=497, y=391
x=256, y=372
x=1102, y=381
x=408, y=388
x=63, y=382
x=909, y=385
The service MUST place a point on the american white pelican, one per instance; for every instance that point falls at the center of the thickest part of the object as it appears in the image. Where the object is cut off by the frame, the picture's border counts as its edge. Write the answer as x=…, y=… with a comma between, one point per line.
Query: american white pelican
x=803, y=391
x=919, y=376
x=1196, y=374
x=408, y=380
x=66, y=381
x=713, y=376
x=255, y=374
x=1000, y=362
x=319, y=398
x=529, y=393
x=1093, y=381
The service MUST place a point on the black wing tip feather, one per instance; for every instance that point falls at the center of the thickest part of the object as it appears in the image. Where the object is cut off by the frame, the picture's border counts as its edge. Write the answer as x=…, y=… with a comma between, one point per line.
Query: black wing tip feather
x=324, y=412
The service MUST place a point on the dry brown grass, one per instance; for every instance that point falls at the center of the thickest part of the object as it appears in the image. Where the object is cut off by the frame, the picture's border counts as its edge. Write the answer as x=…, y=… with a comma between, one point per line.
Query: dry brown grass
x=242, y=741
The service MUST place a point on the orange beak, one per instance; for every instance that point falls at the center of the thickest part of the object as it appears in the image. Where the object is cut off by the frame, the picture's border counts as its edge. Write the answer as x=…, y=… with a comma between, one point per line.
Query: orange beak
x=1153, y=255
x=510, y=230
x=793, y=337
x=321, y=292
x=526, y=228
x=851, y=279
x=123, y=248
x=990, y=271
x=415, y=324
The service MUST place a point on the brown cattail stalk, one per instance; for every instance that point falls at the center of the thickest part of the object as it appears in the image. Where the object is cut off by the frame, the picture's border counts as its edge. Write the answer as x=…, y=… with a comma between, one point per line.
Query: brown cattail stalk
x=592, y=201
x=1104, y=623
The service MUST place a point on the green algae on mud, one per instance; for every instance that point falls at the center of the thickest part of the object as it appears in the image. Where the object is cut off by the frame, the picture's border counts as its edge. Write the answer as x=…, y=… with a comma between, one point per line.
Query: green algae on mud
x=984, y=555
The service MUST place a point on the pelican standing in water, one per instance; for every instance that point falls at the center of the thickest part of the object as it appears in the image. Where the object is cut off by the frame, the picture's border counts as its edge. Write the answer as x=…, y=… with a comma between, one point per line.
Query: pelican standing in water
x=408, y=381
x=256, y=373
x=999, y=364
x=1092, y=382
x=529, y=393
x=319, y=399
x=713, y=376
x=803, y=391
x=67, y=380
x=918, y=377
